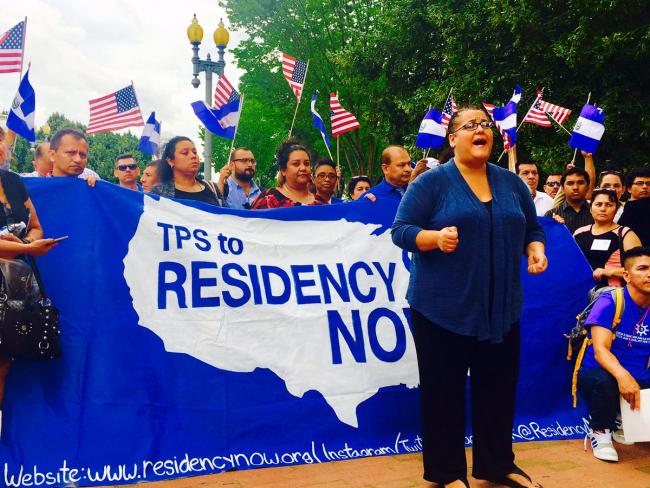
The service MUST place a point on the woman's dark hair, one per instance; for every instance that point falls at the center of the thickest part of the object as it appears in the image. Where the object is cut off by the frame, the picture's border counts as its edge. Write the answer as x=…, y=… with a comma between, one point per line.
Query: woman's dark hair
x=166, y=172
x=464, y=108
x=323, y=161
x=605, y=191
x=286, y=148
x=155, y=164
x=353, y=183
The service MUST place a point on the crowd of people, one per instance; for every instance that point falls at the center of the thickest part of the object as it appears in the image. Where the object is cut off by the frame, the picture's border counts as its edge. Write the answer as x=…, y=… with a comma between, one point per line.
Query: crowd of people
x=467, y=223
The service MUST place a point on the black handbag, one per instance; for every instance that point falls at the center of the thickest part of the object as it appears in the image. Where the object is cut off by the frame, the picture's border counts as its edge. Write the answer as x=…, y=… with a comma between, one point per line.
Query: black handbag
x=28, y=324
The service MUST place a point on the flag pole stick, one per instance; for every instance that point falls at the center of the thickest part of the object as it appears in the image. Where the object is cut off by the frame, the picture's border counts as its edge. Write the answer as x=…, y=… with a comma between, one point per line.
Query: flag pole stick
x=299, y=98
x=575, y=152
x=531, y=107
x=137, y=101
x=337, y=150
x=158, y=150
x=327, y=147
x=550, y=116
x=22, y=58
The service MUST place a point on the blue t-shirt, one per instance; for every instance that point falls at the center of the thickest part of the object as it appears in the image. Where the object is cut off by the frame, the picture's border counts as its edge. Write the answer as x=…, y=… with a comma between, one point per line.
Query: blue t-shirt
x=635, y=358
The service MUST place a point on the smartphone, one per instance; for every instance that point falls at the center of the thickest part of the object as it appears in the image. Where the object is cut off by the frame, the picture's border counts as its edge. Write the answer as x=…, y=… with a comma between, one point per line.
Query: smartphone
x=59, y=239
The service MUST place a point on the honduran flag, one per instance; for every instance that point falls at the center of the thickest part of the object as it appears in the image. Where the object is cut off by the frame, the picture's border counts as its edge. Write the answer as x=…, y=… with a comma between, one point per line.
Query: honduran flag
x=506, y=119
x=589, y=129
x=432, y=132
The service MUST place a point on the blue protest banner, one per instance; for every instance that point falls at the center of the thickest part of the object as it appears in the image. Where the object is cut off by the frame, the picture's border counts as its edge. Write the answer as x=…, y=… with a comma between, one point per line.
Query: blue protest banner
x=197, y=340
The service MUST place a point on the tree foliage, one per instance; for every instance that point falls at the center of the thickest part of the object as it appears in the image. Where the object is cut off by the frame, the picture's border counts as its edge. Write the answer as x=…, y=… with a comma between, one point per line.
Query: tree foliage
x=391, y=60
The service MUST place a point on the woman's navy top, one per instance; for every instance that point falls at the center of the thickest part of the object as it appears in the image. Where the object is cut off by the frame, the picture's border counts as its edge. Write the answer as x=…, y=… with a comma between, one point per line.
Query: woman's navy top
x=453, y=289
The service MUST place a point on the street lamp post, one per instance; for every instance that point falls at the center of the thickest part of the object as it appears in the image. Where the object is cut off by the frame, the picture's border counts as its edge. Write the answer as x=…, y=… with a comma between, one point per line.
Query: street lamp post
x=221, y=38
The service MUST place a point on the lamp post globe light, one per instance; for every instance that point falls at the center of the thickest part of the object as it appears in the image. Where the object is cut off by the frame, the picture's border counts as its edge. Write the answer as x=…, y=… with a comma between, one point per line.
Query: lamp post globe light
x=221, y=38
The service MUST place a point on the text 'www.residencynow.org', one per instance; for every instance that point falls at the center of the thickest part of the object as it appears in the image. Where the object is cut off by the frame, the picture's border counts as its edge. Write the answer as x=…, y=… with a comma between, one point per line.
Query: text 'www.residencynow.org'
x=192, y=466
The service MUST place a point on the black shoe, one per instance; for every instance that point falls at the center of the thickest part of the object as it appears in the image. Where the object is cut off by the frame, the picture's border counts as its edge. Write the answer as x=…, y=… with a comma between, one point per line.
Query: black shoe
x=504, y=480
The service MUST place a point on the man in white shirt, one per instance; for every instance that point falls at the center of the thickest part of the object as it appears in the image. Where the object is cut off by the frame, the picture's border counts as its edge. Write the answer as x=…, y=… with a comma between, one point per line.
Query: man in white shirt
x=528, y=172
x=42, y=162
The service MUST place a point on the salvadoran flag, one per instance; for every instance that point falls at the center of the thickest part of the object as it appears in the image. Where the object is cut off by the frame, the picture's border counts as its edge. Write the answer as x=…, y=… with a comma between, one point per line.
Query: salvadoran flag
x=432, y=133
x=21, y=116
x=150, y=139
x=221, y=122
x=505, y=119
x=589, y=129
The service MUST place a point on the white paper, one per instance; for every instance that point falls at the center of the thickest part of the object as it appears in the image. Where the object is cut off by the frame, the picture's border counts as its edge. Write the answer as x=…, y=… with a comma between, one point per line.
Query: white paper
x=600, y=245
x=637, y=424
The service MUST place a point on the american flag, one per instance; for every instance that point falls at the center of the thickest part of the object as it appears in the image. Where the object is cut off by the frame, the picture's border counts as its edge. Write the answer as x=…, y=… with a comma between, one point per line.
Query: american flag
x=342, y=120
x=295, y=71
x=224, y=93
x=449, y=109
x=537, y=113
x=11, y=49
x=506, y=139
x=114, y=111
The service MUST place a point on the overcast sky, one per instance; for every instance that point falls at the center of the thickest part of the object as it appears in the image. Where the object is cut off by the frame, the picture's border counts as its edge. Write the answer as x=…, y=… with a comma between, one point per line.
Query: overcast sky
x=81, y=50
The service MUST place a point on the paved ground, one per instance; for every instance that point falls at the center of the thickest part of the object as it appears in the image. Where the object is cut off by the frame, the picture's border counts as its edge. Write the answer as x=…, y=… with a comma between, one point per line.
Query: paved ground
x=555, y=464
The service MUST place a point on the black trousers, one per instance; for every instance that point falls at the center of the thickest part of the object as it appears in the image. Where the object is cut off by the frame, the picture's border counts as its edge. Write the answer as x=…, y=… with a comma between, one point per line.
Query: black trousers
x=600, y=390
x=443, y=361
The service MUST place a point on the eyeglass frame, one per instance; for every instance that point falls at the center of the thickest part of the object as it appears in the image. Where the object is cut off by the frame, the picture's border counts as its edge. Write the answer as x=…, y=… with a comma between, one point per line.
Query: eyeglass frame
x=246, y=160
x=490, y=125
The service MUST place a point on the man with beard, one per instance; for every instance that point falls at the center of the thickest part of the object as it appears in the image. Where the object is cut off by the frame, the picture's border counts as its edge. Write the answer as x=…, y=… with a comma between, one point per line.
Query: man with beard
x=242, y=190
x=574, y=212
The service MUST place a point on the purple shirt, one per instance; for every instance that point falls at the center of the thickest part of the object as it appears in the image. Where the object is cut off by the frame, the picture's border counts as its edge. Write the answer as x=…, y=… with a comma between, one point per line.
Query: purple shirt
x=632, y=331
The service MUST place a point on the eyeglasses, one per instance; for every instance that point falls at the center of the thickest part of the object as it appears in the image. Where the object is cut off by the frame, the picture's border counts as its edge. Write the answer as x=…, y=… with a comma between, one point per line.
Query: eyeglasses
x=327, y=176
x=358, y=177
x=553, y=183
x=246, y=160
x=123, y=167
x=642, y=183
x=611, y=172
x=473, y=125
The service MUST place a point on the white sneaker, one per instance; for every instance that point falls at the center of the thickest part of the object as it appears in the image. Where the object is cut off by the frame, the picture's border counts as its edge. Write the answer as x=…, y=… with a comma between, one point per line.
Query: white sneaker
x=619, y=435
x=601, y=444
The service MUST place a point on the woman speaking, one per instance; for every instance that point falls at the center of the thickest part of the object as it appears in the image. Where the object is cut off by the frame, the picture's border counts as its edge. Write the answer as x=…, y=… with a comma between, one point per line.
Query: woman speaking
x=467, y=224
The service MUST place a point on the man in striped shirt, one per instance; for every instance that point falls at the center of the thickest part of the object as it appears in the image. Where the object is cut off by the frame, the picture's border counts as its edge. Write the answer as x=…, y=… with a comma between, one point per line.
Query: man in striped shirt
x=575, y=211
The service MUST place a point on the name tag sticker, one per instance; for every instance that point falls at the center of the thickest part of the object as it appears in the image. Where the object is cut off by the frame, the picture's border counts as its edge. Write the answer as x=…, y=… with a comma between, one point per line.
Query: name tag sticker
x=600, y=244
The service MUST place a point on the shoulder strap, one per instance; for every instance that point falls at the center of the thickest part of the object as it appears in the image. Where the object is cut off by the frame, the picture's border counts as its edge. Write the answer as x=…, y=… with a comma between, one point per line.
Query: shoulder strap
x=37, y=275
x=619, y=302
x=216, y=192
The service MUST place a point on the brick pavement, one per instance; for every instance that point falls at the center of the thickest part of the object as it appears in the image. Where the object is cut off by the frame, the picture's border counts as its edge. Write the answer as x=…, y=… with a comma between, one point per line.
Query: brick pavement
x=555, y=464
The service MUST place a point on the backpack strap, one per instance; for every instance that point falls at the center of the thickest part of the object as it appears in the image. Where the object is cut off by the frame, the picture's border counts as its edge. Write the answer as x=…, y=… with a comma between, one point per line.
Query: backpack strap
x=619, y=303
x=217, y=193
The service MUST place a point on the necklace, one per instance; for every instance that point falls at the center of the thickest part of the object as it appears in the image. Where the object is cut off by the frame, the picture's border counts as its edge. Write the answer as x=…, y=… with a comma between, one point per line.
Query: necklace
x=291, y=192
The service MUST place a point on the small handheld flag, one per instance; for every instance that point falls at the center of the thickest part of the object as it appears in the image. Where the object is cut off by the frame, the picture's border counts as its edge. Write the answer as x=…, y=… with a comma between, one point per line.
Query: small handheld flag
x=537, y=113
x=224, y=92
x=505, y=119
x=295, y=71
x=317, y=120
x=12, y=45
x=114, y=111
x=589, y=129
x=150, y=139
x=342, y=120
x=21, y=116
x=221, y=122
x=432, y=132
x=448, y=110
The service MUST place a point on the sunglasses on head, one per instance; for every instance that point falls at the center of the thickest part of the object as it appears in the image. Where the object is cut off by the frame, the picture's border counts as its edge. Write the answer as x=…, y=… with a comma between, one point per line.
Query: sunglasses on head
x=124, y=167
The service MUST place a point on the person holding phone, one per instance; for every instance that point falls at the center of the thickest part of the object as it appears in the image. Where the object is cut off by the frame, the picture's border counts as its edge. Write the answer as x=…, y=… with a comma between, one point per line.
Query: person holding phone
x=20, y=233
x=467, y=224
